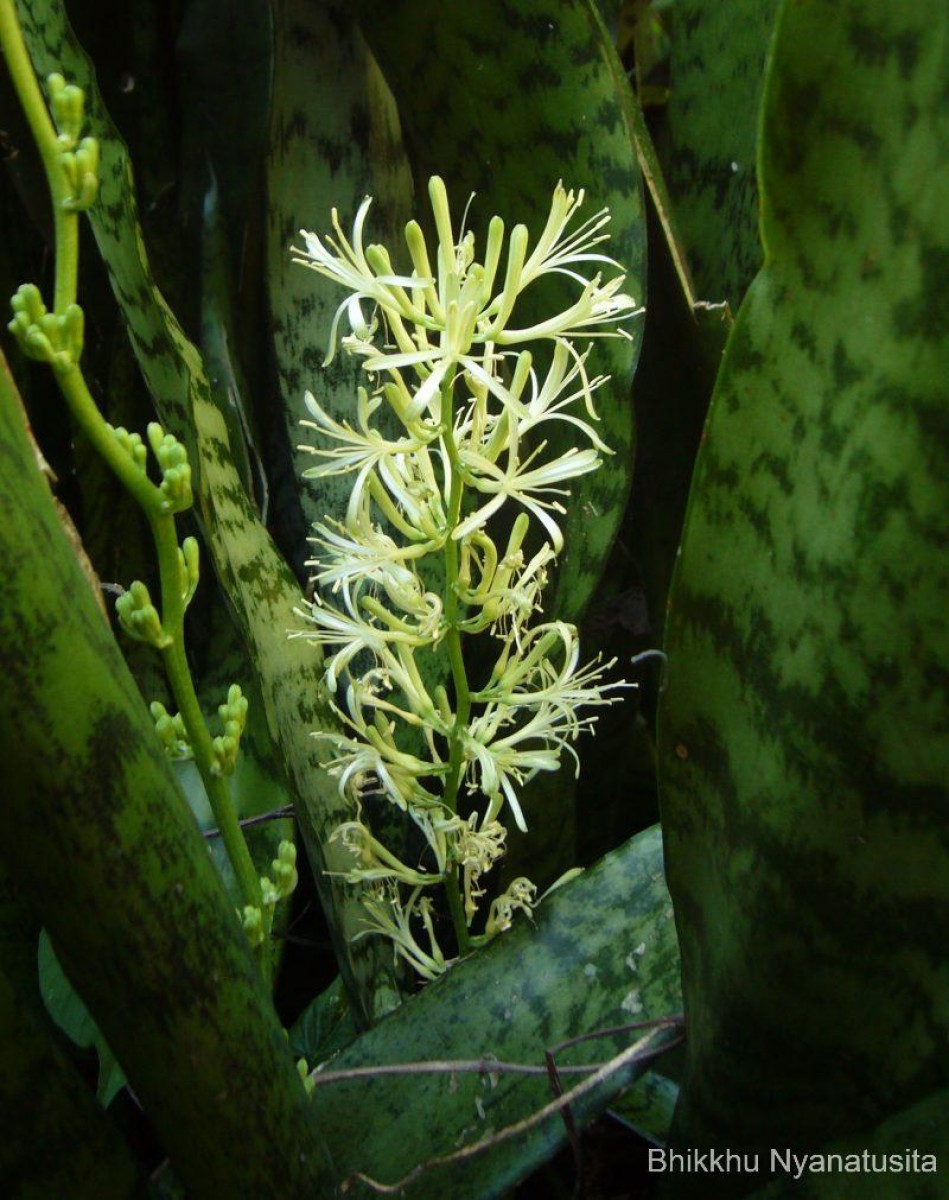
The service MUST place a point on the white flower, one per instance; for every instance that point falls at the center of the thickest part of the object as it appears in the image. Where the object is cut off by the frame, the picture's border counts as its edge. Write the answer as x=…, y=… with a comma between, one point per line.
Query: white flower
x=520, y=895
x=505, y=592
x=476, y=849
x=363, y=450
x=523, y=483
x=363, y=551
x=370, y=755
x=347, y=264
x=500, y=763
x=459, y=307
x=373, y=861
x=598, y=304
x=548, y=401
x=526, y=675
x=443, y=347
x=387, y=915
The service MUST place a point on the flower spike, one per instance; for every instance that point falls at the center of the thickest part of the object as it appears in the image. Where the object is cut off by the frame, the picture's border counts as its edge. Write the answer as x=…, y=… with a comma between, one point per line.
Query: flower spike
x=414, y=566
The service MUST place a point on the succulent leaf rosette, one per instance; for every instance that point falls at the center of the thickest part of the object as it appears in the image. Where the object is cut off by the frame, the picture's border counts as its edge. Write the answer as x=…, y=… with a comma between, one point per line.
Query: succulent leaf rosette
x=444, y=352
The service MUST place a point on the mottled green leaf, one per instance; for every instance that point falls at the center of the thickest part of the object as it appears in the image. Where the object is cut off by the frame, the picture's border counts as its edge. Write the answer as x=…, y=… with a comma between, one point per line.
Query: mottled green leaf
x=101, y=845
x=648, y=1106
x=220, y=345
x=603, y=953
x=261, y=587
x=515, y=96
x=707, y=133
x=335, y=138
x=804, y=751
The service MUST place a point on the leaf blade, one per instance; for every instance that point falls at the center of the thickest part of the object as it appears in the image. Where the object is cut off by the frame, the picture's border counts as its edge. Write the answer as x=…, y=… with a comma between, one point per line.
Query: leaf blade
x=803, y=756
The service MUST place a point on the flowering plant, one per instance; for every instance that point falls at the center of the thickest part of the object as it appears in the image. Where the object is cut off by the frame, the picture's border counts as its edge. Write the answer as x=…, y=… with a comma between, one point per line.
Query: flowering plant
x=443, y=353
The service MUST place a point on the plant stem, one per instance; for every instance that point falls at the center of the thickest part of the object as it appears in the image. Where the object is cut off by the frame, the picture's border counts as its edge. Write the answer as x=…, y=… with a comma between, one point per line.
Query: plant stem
x=65, y=223
x=76, y=393
x=455, y=658
x=182, y=686
x=73, y=386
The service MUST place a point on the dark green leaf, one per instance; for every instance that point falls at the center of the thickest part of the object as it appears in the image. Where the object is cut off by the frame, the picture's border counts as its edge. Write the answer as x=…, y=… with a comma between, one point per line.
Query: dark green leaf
x=56, y=1140
x=804, y=753
x=73, y=1018
x=911, y=1147
x=603, y=953
x=257, y=580
x=648, y=1106
x=707, y=133
x=517, y=96
x=325, y=1028
x=102, y=845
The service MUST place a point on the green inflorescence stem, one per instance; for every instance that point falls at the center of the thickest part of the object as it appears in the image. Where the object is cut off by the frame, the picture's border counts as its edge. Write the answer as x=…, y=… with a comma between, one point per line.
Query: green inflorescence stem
x=76, y=393
x=455, y=657
x=182, y=686
x=66, y=224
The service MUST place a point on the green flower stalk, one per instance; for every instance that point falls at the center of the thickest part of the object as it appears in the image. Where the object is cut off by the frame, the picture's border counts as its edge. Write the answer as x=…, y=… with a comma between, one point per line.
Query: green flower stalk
x=443, y=350
x=55, y=336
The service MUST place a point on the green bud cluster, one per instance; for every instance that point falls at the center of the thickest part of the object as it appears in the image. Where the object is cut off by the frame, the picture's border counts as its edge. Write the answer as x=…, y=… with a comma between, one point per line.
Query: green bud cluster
x=172, y=459
x=257, y=920
x=189, y=569
x=79, y=158
x=139, y=617
x=306, y=1076
x=54, y=338
x=171, y=731
x=234, y=716
x=132, y=445
x=252, y=922
x=72, y=163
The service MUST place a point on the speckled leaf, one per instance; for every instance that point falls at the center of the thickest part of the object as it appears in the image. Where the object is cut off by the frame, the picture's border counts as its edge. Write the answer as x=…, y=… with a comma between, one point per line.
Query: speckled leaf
x=603, y=953
x=335, y=139
x=504, y=99
x=804, y=748
x=261, y=587
x=101, y=845
x=706, y=137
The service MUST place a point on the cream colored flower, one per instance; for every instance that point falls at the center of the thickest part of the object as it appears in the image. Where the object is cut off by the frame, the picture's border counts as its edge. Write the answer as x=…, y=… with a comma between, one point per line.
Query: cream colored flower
x=439, y=324
x=446, y=353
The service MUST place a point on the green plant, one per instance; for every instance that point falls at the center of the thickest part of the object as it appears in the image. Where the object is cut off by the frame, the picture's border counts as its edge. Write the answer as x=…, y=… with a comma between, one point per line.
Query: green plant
x=794, y=524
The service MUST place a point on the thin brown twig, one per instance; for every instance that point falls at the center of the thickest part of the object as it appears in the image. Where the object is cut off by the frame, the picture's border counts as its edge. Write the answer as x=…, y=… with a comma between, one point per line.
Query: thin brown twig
x=487, y=1065
x=451, y=1066
x=274, y=815
x=573, y=1137
x=639, y=1052
x=670, y=1021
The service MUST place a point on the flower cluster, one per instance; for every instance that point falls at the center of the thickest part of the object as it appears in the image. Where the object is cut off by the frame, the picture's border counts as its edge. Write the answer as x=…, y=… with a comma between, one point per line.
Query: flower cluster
x=444, y=354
